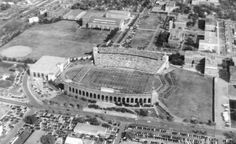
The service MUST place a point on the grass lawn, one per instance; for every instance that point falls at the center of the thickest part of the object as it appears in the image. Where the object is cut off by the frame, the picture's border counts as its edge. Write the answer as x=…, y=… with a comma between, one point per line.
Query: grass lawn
x=193, y=97
x=4, y=109
x=63, y=38
x=4, y=67
x=151, y=21
x=35, y=137
x=141, y=39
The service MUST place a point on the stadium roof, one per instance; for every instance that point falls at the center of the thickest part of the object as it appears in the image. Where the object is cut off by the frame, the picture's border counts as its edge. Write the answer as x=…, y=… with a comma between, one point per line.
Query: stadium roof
x=105, y=21
x=90, y=129
x=47, y=64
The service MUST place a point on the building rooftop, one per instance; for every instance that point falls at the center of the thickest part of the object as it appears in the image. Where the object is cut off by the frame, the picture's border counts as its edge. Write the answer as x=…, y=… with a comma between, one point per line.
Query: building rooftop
x=232, y=72
x=176, y=34
x=73, y=140
x=47, y=64
x=119, y=12
x=90, y=129
x=105, y=21
x=210, y=37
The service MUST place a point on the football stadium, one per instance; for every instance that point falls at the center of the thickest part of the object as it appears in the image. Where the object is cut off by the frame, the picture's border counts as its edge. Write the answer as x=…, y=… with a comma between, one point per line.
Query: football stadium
x=117, y=75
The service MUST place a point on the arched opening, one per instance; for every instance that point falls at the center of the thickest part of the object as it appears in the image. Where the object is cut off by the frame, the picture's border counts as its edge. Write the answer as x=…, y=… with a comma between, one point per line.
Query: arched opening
x=123, y=100
x=119, y=99
x=115, y=99
x=87, y=94
x=102, y=97
x=79, y=92
x=94, y=96
x=149, y=100
x=73, y=90
x=83, y=93
x=106, y=98
x=91, y=95
x=127, y=100
x=110, y=98
x=69, y=89
x=132, y=100
x=136, y=100
x=145, y=100
x=76, y=91
x=99, y=96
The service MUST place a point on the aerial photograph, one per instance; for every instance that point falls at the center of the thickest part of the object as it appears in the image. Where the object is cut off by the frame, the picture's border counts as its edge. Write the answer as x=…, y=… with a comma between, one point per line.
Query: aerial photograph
x=117, y=71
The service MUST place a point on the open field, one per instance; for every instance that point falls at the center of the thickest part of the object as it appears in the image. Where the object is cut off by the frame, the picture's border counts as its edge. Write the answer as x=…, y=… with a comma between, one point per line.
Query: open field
x=121, y=80
x=151, y=21
x=141, y=39
x=35, y=137
x=62, y=38
x=4, y=109
x=193, y=98
x=4, y=67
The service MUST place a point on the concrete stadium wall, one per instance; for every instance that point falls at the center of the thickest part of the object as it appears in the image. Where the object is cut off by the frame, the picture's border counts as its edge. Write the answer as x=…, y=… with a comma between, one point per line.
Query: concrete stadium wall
x=75, y=90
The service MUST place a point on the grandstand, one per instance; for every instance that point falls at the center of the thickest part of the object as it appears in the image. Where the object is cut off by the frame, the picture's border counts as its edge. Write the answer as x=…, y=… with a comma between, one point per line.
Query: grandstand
x=147, y=61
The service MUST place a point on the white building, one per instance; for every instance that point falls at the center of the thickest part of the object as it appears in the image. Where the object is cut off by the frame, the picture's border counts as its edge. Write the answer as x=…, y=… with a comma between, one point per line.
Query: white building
x=210, y=42
x=118, y=14
x=198, y=2
x=47, y=67
x=83, y=128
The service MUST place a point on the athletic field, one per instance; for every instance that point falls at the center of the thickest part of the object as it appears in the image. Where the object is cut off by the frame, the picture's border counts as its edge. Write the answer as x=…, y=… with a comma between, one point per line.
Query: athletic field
x=123, y=81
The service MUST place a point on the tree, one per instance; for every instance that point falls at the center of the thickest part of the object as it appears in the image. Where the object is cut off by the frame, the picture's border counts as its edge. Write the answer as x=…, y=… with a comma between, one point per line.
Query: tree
x=47, y=139
x=30, y=119
x=230, y=135
x=176, y=59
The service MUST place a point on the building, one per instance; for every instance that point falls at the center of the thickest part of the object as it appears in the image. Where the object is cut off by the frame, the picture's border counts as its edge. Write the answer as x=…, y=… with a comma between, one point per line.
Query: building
x=176, y=37
x=232, y=72
x=208, y=61
x=206, y=2
x=210, y=42
x=181, y=21
x=118, y=14
x=158, y=9
x=47, y=67
x=84, y=128
x=210, y=24
x=170, y=6
x=73, y=140
x=105, y=23
x=74, y=14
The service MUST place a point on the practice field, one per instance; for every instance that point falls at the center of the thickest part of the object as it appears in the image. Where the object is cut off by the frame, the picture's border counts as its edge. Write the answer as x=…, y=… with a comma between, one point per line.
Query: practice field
x=151, y=21
x=142, y=38
x=4, y=109
x=63, y=38
x=121, y=80
x=16, y=51
x=193, y=98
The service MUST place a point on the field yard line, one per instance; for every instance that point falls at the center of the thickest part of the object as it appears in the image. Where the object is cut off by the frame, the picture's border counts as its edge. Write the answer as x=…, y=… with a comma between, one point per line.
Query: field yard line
x=84, y=75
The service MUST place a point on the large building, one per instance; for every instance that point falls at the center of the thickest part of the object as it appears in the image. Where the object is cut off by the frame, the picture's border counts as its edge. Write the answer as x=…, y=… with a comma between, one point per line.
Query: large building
x=105, y=23
x=118, y=14
x=210, y=42
x=119, y=75
x=47, y=67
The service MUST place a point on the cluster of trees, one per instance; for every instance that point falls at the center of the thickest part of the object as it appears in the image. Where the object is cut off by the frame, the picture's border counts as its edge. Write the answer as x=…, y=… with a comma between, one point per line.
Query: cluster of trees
x=176, y=59
x=47, y=139
x=224, y=73
x=162, y=39
x=4, y=7
x=183, y=8
x=111, y=4
x=30, y=119
x=142, y=112
x=111, y=34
